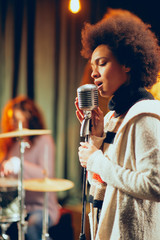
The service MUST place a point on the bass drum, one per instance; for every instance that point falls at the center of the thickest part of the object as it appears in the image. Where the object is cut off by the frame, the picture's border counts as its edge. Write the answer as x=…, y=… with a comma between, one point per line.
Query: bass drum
x=9, y=201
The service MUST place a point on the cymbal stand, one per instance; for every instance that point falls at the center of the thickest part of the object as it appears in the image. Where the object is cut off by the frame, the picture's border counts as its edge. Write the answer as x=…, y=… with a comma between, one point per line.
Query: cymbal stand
x=45, y=233
x=4, y=226
x=21, y=193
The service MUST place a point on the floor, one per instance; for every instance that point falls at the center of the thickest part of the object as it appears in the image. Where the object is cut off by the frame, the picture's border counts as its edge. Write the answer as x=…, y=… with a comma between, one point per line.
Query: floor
x=76, y=215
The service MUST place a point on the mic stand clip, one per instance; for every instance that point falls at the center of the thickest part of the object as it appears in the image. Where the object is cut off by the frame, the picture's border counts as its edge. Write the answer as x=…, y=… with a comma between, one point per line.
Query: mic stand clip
x=85, y=126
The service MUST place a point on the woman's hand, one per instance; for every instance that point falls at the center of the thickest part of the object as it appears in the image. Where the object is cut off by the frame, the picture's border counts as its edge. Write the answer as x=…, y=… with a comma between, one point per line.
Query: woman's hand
x=79, y=112
x=97, y=120
x=85, y=151
x=6, y=168
x=10, y=166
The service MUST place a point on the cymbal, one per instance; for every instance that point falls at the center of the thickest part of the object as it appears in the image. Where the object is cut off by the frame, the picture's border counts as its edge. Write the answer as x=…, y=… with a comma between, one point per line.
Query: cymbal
x=24, y=132
x=8, y=182
x=48, y=185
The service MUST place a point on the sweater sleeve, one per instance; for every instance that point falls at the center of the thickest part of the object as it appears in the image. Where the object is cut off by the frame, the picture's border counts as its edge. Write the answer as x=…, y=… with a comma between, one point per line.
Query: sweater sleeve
x=143, y=180
x=42, y=159
x=97, y=141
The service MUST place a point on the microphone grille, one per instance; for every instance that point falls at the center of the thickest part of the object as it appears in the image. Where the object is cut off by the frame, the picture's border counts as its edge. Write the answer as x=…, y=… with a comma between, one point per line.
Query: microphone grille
x=88, y=97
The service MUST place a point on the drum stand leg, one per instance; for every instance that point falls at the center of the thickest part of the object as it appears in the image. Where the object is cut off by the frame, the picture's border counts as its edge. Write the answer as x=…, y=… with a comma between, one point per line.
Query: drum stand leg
x=45, y=233
x=4, y=226
x=22, y=223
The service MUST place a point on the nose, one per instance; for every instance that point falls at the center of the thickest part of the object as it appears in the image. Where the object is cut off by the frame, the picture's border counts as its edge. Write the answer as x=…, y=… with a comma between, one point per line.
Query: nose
x=95, y=74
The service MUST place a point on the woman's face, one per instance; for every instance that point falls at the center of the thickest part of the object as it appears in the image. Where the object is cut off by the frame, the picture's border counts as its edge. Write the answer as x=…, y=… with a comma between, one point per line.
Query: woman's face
x=107, y=73
x=19, y=116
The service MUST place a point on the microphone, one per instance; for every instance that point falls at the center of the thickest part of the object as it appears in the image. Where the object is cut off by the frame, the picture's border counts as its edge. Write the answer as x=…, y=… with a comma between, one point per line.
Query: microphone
x=87, y=101
x=87, y=97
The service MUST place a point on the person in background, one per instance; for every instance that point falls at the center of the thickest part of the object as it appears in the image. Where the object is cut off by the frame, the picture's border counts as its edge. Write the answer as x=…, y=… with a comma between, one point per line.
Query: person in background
x=122, y=156
x=39, y=160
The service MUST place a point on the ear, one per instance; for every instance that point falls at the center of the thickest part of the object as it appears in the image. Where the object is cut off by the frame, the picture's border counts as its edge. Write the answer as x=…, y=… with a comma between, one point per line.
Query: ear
x=126, y=69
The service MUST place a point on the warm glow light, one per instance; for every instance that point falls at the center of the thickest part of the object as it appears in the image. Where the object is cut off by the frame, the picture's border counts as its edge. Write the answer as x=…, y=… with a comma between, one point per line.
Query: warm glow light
x=74, y=6
x=155, y=90
x=10, y=113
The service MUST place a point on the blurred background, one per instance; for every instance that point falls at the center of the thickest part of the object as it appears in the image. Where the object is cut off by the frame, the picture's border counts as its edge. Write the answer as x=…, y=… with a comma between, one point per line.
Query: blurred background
x=40, y=57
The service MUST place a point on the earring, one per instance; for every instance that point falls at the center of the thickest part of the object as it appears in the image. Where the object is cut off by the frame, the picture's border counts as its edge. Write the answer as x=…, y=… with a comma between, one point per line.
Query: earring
x=126, y=69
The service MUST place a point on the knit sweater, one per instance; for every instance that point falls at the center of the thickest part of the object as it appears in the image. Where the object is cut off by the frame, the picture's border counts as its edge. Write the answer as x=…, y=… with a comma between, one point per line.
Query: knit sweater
x=35, y=161
x=130, y=173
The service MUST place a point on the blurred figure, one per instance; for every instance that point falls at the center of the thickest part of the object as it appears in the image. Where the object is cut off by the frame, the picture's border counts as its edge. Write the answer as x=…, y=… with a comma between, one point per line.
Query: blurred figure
x=39, y=161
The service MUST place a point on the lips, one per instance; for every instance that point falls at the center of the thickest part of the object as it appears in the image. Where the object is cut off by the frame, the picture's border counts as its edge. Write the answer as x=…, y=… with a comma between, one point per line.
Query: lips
x=99, y=84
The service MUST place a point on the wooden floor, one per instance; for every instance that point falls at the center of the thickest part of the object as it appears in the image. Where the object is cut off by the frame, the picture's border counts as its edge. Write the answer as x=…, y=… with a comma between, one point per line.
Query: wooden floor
x=76, y=213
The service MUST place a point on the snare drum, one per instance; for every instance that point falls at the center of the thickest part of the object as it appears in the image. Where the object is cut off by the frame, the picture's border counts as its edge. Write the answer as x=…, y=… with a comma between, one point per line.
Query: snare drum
x=9, y=201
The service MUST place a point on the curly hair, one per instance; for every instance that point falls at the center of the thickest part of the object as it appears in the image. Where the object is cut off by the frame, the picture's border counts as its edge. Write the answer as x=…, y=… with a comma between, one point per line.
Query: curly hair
x=32, y=113
x=132, y=43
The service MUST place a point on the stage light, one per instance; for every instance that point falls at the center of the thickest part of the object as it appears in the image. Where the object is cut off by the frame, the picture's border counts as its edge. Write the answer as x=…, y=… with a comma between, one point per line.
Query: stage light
x=74, y=6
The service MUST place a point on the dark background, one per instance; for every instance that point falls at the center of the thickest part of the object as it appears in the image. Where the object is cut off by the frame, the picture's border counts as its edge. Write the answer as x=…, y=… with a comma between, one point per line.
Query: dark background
x=148, y=11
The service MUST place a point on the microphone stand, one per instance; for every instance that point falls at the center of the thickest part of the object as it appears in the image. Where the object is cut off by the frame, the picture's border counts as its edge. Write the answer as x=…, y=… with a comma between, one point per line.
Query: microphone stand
x=84, y=132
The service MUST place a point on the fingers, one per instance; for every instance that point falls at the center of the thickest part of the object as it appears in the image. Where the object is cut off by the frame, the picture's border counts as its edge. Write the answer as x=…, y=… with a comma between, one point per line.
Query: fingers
x=95, y=119
x=84, y=144
x=79, y=112
x=83, y=154
x=79, y=116
x=7, y=168
x=82, y=149
x=98, y=113
x=76, y=104
x=97, y=122
x=83, y=163
x=85, y=151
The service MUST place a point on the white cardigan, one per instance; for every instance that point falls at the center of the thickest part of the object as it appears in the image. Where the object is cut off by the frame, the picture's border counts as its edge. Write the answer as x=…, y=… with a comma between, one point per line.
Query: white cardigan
x=131, y=169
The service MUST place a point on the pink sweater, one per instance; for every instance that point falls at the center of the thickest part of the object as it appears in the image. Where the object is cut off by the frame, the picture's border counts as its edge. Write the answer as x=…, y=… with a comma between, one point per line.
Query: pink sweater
x=40, y=156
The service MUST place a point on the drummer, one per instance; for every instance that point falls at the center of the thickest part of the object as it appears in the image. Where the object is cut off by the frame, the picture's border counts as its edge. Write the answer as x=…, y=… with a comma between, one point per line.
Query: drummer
x=39, y=160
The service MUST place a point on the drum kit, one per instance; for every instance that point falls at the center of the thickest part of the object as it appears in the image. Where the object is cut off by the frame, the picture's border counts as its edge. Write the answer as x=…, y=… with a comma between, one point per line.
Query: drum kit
x=12, y=191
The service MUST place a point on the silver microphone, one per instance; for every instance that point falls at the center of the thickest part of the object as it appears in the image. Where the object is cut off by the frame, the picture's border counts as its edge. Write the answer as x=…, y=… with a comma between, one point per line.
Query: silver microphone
x=87, y=101
x=87, y=97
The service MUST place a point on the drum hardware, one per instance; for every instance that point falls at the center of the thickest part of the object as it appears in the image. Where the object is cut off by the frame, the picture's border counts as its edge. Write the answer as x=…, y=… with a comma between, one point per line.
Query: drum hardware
x=22, y=223
x=9, y=209
x=24, y=132
x=41, y=185
x=47, y=185
x=45, y=234
x=4, y=227
x=20, y=133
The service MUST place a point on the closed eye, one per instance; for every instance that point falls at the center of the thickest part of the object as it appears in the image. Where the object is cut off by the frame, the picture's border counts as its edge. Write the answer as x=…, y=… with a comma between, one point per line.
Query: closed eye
x=102, y=64
x=102, y=61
